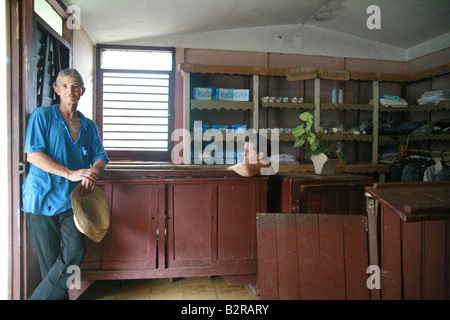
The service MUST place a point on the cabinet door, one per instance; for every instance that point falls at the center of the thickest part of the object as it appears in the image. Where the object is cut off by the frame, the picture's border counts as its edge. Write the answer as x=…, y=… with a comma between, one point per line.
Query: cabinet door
x=132, y=239
x=189, y=225
x=329, y=198
x=93, y=259
x=237, y=205
x=312, y=256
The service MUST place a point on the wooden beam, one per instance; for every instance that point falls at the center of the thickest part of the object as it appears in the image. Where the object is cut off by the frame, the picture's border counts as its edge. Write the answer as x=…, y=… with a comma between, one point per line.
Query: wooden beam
x=282, y=72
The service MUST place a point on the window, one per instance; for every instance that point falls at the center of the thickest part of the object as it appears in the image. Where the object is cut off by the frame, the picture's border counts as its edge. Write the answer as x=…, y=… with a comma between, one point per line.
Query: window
x=49, y=15
x=135, y=102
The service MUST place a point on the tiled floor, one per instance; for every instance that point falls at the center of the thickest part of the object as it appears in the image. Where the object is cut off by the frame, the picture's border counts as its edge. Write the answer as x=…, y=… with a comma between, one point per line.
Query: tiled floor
x=202, y=288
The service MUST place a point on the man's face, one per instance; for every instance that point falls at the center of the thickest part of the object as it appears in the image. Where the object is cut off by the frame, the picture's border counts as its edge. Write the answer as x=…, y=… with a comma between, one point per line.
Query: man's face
x=250, y=154
x=69, y=90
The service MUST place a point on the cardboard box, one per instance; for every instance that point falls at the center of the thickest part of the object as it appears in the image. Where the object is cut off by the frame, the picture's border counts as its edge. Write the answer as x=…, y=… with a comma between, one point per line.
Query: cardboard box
x=200, y=128
x=204, y=93
x=239, y=128
x=224, y=94
x=230, y=157
x=221, y=128
x=241, y=95
x=240, y=158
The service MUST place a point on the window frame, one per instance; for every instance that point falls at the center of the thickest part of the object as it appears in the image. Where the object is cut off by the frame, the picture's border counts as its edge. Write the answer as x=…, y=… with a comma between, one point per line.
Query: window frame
x=116, y=155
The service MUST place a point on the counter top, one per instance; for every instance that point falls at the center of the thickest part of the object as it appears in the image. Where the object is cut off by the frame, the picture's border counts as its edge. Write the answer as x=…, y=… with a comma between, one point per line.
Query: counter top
x=304, y=167
x=414, y=201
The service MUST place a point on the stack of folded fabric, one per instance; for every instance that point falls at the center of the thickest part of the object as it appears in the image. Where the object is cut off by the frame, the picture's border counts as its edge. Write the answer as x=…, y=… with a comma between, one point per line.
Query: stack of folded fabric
x=284, y=159
x=387, y=100
x=435, y=96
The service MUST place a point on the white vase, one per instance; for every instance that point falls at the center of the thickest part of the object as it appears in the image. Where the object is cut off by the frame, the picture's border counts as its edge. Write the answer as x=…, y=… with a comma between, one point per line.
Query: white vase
x=323, y=165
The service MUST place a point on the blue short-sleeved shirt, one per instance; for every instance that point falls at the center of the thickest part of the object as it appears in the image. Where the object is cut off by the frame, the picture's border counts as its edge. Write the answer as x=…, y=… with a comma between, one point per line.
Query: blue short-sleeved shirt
x=45, y=193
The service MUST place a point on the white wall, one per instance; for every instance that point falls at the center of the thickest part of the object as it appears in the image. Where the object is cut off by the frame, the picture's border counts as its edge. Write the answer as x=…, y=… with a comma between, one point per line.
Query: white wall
x=83, y=61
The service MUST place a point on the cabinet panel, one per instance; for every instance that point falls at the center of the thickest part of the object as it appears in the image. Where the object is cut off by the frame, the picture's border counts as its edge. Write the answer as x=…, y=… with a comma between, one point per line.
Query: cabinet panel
x=188, y=225
x=93, y=258
x=312, y=256
x=132, y=239
x=237, y=206
x=340, y=199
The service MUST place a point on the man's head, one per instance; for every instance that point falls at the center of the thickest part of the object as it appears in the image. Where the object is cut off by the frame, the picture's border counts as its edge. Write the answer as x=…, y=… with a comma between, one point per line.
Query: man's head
x=69, y=72
x=256, y=148
x=69, y=86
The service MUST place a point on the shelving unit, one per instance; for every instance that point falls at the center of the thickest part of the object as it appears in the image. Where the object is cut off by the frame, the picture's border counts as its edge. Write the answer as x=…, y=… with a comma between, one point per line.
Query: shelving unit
x=315, y=106
x=428, y=109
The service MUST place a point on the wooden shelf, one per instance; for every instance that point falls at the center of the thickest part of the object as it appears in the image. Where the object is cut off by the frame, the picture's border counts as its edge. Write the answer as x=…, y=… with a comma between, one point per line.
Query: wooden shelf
x=236, y=136
x=387, y=140
x=431, y=137
x=346, y=106
x=376, y=139
x=394, y=109
x=218, y=105
x=443, y=105
x=281, y=72
x=288, y=105
x=348, y=137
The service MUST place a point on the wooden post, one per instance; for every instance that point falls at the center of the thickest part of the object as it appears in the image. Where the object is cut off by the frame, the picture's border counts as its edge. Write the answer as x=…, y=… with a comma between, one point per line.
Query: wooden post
x=256, y=102
x=317, y=103
x=376, y=93
x=187, y=119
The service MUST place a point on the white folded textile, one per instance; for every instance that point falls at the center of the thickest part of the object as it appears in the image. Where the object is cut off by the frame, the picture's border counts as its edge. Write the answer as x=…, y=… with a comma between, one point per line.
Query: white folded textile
x=284, y=159
x=435, y=96
x=388, y=102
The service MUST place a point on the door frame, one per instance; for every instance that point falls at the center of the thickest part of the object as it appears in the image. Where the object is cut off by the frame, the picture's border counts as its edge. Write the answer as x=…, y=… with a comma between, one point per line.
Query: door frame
x=22, y=88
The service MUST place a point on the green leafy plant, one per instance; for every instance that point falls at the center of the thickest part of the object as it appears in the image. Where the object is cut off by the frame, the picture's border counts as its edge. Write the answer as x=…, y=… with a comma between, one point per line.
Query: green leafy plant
x=305, y=135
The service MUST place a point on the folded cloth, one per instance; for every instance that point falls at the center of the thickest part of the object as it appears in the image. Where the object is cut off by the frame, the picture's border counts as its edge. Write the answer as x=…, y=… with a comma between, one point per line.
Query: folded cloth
x=284, y=159
x=396, y=103
x=435, y=96
x=390, y=97
x=393, y=103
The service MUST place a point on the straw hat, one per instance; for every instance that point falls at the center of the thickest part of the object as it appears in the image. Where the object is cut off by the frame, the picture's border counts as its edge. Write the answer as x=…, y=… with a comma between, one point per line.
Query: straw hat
x=91, y=213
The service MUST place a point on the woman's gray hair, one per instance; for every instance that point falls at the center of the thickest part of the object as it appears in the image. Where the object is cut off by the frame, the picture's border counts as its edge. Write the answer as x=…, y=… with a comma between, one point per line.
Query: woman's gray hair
x=71, y=73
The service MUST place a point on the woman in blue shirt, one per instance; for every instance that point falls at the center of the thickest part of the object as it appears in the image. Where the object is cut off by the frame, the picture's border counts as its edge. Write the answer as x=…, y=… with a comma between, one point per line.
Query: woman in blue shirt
x=64, y=149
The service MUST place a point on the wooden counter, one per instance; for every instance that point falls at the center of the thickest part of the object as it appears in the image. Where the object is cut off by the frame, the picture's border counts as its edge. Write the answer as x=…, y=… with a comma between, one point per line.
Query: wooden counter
x=409, y=239
x=178, y=223
x=303, y=167
x=317, y=247
x=300, y=192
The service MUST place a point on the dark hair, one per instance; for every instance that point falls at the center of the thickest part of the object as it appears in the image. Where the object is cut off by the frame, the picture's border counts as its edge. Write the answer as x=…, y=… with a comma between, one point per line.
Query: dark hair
x=261, y=140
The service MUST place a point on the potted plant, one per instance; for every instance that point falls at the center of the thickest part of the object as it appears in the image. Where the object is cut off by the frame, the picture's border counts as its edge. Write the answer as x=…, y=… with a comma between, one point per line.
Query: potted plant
x=321, y=153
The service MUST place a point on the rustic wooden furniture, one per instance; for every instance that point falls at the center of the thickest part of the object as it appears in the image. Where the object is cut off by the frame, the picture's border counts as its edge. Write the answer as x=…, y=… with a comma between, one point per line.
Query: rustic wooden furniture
x=316, y=248
x=301, y=192
x=170, y=224
x=409, y=239
x=312, y=256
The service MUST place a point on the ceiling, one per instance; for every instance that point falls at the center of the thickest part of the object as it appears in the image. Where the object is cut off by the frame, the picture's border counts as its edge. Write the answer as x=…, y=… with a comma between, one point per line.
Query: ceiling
x=404, y=23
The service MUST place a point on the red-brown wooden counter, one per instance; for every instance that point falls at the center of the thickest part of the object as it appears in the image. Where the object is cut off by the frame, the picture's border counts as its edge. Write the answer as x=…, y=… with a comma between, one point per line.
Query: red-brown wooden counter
x=409, y=239
x=312, y=256
x=177, y=223
x=302, y=192
x=317, y=248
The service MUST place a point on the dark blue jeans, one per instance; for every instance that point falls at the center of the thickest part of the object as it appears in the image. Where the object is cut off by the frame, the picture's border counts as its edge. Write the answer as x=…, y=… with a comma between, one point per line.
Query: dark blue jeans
x=59, y=245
